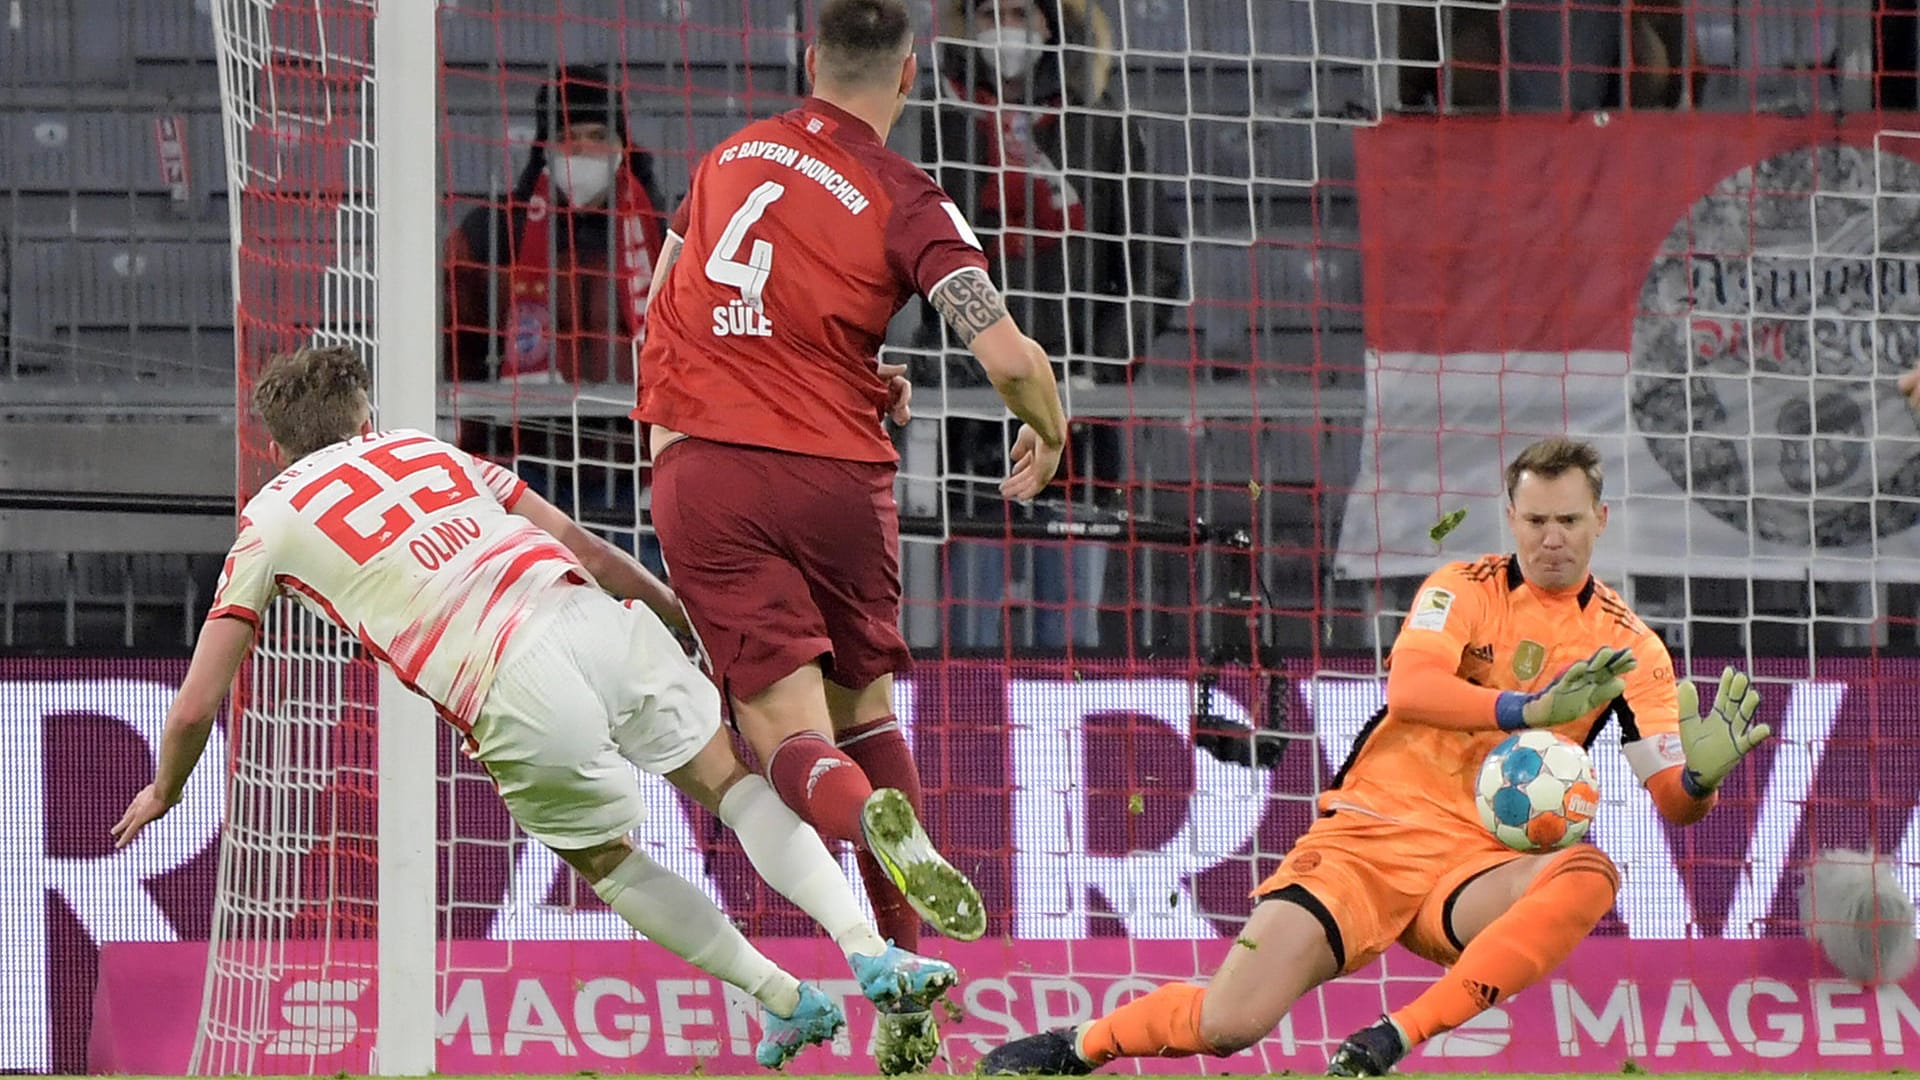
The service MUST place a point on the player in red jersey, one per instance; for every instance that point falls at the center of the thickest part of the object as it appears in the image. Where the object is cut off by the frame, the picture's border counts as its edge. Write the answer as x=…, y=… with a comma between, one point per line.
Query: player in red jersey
x=484, y=598
x=773, y=477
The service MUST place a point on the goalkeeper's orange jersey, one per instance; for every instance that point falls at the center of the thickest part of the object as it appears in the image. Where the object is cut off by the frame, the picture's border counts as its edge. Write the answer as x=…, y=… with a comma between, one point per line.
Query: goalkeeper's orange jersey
x=1477, y=629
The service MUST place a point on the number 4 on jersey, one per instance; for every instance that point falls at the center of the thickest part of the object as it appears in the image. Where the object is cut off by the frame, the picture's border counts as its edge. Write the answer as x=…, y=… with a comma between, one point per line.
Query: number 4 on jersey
x=750, y=277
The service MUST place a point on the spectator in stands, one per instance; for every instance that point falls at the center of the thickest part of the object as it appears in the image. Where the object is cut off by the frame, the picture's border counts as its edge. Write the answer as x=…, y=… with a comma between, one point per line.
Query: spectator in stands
x=552, y=285
x=1033, y=148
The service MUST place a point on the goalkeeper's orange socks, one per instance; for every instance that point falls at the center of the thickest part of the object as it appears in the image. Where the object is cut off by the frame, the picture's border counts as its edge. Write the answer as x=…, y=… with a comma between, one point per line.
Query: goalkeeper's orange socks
x=881, y=752
x=821, y=784
x=1516, y=950
x=1165, y=1023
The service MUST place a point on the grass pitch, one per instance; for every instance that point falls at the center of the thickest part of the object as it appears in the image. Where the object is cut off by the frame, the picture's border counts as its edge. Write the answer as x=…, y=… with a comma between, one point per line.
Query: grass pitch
x=1121, y=1073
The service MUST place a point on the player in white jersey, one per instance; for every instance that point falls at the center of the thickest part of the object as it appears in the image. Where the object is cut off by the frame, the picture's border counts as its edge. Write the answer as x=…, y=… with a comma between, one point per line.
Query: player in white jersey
x=486, y=599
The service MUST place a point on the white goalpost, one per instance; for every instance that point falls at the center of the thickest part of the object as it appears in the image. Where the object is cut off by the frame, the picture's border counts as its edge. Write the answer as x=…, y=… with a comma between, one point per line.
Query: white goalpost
x=407, y=331
x=329, y=109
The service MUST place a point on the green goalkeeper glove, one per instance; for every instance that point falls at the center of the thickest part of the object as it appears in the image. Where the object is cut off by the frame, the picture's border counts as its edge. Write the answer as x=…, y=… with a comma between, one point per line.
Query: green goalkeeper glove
x=1585, y=686
x=1715, y=743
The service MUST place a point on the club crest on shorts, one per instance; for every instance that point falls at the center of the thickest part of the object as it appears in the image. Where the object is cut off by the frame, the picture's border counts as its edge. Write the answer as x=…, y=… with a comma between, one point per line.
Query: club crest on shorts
x=1528, y=656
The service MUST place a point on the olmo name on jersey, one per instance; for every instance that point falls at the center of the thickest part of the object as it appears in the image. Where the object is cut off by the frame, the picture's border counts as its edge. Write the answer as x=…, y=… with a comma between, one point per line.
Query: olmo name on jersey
x=438, y=546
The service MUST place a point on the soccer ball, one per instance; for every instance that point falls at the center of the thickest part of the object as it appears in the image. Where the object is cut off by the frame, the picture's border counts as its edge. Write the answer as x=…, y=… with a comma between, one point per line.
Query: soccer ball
x=1536, y=792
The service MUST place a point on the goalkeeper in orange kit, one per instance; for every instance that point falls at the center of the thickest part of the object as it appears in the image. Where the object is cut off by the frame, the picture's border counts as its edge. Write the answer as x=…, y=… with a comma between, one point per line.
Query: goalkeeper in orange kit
x=1501, y=644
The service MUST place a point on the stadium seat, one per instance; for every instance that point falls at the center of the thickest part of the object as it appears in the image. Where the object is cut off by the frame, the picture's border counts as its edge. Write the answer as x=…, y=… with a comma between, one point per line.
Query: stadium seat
x=643, y=32
x=84, y=282
x=509, y=31
x=77, y=151
x=708, y=34
x=171, y=31
x=1272, y=27
x=103, y=151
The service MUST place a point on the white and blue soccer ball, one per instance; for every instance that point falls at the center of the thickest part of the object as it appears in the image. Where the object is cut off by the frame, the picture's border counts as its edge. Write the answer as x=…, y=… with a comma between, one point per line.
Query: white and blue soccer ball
x=1537, y=792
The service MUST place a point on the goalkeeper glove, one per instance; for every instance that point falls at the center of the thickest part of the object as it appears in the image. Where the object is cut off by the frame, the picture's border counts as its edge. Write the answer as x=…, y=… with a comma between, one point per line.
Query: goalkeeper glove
x=1585, y=686
x=1714, y=743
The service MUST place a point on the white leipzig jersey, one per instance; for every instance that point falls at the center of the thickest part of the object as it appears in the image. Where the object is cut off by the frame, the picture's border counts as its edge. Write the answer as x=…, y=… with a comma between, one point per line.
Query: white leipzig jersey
x=406, y=543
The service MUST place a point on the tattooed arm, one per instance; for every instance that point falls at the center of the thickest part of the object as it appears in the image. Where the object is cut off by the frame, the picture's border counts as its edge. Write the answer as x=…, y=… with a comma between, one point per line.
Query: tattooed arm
x=1019, y=369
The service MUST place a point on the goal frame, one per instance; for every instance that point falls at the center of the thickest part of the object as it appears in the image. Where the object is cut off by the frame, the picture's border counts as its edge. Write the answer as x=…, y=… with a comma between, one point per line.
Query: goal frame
x=406, y=111
x=403, y=85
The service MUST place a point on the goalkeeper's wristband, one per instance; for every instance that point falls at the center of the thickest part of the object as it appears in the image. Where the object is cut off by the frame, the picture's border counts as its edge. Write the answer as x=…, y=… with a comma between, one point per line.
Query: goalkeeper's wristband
x=1510, y=710
x=1691, y=785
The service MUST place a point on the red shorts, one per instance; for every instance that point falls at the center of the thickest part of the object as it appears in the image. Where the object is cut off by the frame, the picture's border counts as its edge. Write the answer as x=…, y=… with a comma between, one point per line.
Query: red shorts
x=782, y=559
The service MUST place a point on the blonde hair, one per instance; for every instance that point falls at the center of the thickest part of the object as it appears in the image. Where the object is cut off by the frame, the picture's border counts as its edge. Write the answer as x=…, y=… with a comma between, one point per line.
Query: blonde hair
x=1549, y=458
x=313, y=397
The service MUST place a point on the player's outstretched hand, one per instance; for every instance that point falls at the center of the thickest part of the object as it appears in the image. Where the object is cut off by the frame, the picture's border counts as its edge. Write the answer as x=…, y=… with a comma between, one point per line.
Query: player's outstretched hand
x=1585, y=686
x=145, y=809
x=1716, y=742
x=1034, y=463
x=1910, y=386
x=899, y=393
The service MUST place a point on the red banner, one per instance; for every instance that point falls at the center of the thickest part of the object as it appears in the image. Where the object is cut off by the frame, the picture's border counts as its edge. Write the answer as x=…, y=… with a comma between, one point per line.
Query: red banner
x=1534, y=233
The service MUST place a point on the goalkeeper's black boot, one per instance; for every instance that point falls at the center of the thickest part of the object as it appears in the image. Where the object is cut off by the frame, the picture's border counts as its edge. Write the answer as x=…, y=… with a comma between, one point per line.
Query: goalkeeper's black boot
x=1050, y=1053
x=1371, y=1051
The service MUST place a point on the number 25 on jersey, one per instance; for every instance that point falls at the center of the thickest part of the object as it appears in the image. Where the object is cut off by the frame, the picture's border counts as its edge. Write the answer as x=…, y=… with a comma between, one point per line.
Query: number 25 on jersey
x=747, y=316
x=364, y=487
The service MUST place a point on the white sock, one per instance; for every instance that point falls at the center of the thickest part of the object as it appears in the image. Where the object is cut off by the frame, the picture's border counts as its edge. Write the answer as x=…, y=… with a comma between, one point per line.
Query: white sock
x=790, y=856
x=668, y=909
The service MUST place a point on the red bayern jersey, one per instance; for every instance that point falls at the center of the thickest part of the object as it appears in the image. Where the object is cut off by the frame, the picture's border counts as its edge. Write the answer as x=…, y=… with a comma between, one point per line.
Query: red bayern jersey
x=803, y=235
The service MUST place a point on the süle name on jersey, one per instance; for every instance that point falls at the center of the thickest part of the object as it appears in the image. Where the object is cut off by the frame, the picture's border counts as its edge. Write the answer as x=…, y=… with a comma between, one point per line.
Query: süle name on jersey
x=737, y=319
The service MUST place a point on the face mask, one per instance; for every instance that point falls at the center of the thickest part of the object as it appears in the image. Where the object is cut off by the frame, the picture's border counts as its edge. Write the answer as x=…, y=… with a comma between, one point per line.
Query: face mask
x=1014, y=49
x=582, y=178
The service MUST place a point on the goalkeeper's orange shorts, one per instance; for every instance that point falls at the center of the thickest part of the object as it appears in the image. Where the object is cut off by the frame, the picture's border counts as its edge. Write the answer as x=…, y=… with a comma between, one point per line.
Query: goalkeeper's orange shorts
x=1372, y=882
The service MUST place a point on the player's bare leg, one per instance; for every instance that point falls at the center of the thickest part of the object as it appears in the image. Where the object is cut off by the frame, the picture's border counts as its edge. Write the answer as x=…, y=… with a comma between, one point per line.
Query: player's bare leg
x=1517, y=921
x=790, y=728
x=669, y=910
x=1280, y=955
x=865, y=729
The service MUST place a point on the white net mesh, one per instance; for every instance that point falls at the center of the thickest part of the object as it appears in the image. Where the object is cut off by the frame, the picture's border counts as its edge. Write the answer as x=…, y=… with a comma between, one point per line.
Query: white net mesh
x=1184, y=227
x=296, y=913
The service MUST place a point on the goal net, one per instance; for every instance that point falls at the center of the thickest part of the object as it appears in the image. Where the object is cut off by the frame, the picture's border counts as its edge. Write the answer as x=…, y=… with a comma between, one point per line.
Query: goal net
x=297, y=902
x=1315, y=269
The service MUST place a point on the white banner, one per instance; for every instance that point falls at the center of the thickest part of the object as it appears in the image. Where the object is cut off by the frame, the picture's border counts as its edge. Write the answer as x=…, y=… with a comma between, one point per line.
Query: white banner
x=1440, y=430
x=1723, y=312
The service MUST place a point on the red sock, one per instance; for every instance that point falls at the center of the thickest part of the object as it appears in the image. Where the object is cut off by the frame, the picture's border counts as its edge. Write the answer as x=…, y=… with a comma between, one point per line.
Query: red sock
x=881, y=752
x=820, y=784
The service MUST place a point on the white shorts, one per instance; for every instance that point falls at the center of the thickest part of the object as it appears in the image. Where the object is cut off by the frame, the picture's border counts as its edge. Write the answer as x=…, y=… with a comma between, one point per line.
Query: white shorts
x=582, y=691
